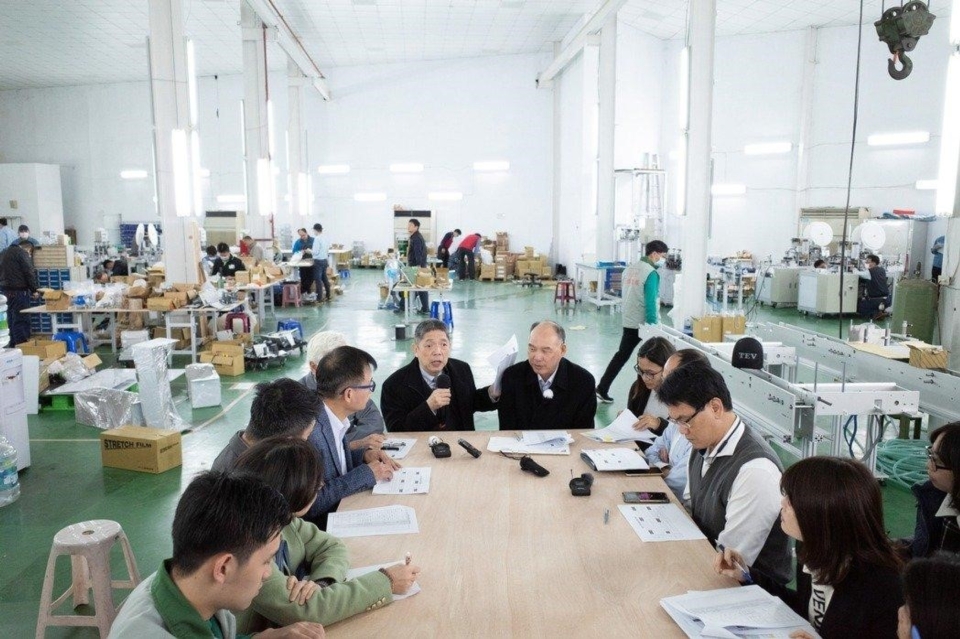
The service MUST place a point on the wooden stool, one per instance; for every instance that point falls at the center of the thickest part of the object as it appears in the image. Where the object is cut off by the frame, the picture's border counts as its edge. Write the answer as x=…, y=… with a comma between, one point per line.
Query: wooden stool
x=566, y=291
x=291, y=294
x=88, y=545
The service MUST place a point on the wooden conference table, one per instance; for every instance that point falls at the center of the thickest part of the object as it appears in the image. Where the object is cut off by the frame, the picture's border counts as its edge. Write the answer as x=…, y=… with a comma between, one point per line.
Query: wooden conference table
x=505, y=553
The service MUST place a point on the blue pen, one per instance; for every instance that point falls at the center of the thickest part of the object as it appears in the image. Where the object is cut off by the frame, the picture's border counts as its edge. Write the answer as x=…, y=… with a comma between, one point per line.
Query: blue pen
x=743, y=571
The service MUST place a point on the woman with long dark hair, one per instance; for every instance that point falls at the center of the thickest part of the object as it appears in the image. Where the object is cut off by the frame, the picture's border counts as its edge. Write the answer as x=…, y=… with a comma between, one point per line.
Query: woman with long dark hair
x=642, y=400
x=848, y=573
x=938, y=499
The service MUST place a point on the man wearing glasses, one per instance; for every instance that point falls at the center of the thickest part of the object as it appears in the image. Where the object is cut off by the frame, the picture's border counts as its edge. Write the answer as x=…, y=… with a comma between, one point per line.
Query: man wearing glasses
x=733, y=482
x=344, y=383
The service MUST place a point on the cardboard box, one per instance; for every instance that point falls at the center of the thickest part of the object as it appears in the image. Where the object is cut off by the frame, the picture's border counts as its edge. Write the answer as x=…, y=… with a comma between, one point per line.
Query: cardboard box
x=226, y=357
x=546, y=271
x=242, y=278
x=139, y=290
x=488, y=271
x=180, y=297
x=927, y=356
x=708, y=328
x=424, y=277
x=54, y=256
x=43, y=348
x=734, y=325
x=161, y=304
x=528, y=253
x=57, y=300
x=147, y=450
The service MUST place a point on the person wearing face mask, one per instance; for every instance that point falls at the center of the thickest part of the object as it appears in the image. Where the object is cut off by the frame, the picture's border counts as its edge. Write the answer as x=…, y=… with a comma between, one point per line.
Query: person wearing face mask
x=640, y=294
x=938, y=500
x=848, y=573
x=226, y=264
x=931, y=588
x=24, y=233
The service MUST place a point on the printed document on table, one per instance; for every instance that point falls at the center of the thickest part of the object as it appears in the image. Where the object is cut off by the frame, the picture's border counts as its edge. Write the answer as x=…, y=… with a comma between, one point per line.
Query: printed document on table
x=538, y=437
x=515, y=445
x=621, y=430
x=660, y=522
x=502, y=359
x=747, y=611
x=387, y=520
x=404, y=445
x=601, y=459
x=353, y=573
x=405, y=481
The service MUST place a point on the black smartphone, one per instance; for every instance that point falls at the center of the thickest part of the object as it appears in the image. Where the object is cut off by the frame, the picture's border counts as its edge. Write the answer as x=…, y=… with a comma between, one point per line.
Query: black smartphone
x=653, y=470
x=634, y=497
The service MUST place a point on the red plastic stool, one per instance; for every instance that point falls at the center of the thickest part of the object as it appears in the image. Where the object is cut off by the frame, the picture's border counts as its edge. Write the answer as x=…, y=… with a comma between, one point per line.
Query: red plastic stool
x=243, y=317
x=566, y=291
x=291, y=294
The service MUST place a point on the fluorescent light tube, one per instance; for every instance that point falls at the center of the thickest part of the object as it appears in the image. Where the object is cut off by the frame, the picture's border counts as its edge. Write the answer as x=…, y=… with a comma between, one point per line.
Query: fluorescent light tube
x=133, y=174
x=195, y=174
x=927, y=185
x=494, y=165
x=768, y=148
x=406, y=167
x=303, y=194
x=370, y=197
x=684, y=102
x=445, y=196
x=182, y=195
x=898, y=138
x=192, y=84
x=728, y=189
x=333, y=169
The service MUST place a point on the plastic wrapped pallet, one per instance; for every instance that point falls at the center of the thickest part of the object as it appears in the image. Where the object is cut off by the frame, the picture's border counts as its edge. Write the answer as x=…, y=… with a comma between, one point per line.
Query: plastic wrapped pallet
x=203, y=385
x=150, y=360
x=107, y=408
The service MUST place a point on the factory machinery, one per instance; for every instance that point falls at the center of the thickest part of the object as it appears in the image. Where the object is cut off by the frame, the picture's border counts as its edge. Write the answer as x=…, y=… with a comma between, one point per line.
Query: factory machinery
x=799, y=417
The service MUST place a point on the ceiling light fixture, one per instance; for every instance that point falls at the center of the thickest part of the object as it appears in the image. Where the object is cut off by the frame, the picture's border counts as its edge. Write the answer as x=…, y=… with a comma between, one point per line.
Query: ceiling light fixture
x=133, y=174
x=898, y=138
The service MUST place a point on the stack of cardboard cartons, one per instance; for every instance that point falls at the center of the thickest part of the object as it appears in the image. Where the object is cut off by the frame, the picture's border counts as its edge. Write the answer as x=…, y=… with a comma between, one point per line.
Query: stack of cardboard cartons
x=56, y=300
x=503, y=242
x=55, y=256
x=488, y=272
x=708, y=328
x=226, y=357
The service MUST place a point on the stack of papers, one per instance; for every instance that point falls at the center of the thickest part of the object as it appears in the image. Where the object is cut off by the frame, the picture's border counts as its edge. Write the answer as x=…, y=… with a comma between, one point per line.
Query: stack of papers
x=602, y=459
x=353, y=573
x=749, y=611
x=621, y=430
x=406, y=481
x=549, y=442
x=389, y=520
x=404, y=446
x=660, y=522
x=502, y=359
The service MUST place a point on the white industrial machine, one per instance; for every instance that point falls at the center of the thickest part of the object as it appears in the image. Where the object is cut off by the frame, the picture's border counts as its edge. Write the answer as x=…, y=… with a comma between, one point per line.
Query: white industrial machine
x=819, y=292
x=13, y=405
x=780, y=285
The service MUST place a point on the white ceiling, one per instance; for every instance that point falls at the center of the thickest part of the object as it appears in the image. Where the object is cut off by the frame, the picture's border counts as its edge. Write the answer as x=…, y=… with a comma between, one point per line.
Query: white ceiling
x=64, y=42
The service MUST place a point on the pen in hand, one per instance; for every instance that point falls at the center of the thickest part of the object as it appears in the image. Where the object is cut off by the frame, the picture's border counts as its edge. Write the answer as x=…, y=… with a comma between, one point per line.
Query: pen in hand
x=747, y=579
x=408, y=559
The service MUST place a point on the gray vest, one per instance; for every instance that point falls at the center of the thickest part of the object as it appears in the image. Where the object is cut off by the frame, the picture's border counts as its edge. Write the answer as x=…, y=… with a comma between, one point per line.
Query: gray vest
x=709, y=495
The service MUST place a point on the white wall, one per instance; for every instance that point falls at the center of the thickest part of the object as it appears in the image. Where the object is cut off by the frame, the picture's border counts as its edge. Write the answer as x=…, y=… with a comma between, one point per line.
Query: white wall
x=757, y=99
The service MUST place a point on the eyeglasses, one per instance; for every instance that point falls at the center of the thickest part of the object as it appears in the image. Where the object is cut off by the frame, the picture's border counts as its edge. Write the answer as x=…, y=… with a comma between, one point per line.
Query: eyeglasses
x=685, y=423
x=372, y=386
x=935, y=458
x=646, y=374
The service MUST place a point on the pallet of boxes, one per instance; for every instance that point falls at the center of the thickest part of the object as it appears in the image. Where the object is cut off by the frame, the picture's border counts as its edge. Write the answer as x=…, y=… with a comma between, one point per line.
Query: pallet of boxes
x=533, y=266
x=714, y=328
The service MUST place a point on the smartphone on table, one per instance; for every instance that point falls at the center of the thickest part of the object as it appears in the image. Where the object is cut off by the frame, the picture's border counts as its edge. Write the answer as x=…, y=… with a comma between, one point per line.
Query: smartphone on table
x=642, y=497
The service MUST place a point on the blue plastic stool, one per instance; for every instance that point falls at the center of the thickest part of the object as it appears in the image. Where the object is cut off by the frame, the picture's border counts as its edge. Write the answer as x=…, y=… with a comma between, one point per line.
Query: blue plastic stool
x=290, y=325
x=344, y=274
x=72, y=340
x=434, y=310
x=447, y=314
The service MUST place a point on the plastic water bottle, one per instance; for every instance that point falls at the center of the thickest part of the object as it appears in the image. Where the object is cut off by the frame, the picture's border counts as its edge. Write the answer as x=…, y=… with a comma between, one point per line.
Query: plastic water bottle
x=9, y=481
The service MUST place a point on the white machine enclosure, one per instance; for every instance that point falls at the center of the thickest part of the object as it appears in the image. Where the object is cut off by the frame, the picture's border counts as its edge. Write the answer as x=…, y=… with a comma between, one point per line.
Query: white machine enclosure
x=13, y=405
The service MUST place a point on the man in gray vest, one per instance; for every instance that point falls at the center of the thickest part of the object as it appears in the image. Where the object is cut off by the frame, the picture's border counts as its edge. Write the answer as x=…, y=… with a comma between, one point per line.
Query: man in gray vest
x=733, y=480
x=640, y=290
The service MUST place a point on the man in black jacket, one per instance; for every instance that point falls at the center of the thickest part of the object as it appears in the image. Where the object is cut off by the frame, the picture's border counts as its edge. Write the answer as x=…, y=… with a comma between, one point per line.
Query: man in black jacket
x=547, y=391
x=412, y=400
x=18, y=282
x=417, y=256
x=226, y=264
x=876, y=293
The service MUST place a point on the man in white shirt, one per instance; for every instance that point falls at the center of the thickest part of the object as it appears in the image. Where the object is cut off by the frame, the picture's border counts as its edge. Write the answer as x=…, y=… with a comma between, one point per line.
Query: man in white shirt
x=733, y=482
x=345, y=384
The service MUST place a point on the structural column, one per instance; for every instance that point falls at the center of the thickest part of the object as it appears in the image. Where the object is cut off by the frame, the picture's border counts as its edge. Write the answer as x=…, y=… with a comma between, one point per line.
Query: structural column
x=170, y=93
x=260, y=189
x=806, y=117
x=606, y=217
x=297, y=167
x=702, y=31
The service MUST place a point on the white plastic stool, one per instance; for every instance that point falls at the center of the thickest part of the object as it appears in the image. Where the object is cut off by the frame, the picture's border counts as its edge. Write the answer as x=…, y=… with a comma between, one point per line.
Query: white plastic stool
x=88, y=545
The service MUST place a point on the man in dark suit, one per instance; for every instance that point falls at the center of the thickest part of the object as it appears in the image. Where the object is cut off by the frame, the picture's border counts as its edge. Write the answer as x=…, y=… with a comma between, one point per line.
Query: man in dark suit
x=547, y=391
x=344, y=383
x=417, y=256
x=411, y=400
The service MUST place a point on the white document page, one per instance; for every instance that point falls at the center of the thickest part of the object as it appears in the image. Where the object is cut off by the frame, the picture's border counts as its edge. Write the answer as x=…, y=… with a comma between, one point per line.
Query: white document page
x=660, y=522
x=404, y=446
x=387, y=520
x=621, y=430
x=502, y=359
x=537, y=437
x=616, y=459
x=514, y=445
x=353, y=573
x=406, y=481
x=747, y=611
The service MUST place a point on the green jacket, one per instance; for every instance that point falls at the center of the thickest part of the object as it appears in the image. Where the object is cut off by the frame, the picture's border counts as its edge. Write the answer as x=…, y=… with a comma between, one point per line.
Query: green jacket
x=157, y=609
x=325, y=557
x=640, y=294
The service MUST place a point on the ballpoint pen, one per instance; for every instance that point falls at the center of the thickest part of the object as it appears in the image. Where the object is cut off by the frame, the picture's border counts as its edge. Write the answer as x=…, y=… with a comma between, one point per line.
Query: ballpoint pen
x=747, y=579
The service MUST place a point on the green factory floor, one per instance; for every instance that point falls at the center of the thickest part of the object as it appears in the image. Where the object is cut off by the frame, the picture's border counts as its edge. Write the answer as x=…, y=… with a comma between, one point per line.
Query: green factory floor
x=67, y=484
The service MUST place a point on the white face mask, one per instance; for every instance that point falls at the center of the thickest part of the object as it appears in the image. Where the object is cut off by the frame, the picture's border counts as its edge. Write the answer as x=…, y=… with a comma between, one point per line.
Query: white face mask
x=24, y=236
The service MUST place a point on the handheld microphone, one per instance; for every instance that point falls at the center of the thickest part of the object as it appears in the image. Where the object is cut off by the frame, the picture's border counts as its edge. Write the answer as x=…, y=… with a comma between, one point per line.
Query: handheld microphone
x=442, y=381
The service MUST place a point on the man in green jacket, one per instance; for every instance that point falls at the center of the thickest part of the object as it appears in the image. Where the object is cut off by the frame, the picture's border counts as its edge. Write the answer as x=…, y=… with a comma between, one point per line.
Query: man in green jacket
x=640, y=291
x=226, y=532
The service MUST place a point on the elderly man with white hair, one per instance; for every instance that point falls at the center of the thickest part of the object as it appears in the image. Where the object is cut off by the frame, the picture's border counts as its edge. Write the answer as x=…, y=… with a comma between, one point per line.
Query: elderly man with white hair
x=366, y=425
